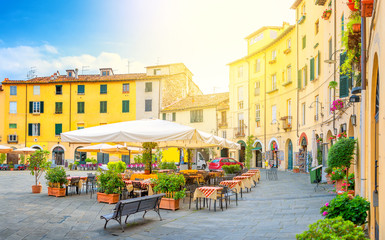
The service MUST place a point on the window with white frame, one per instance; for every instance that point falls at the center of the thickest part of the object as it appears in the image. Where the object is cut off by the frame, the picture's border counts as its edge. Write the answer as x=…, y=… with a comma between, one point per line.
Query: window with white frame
x=36, y=90
x=316, y=107
x=289, y=111
x=12, y=107
x=257, y=65
x=224, y=135
x=316, y=65
x=257, y=112
x=35, y=129
x=303, y=114
x=240, y=97
x=36, y=107
x=273, y=34
x=274, y=114
x=288, y=73
x=274, y=82
x=273, y=54
x=304, y=77
x=13, y=90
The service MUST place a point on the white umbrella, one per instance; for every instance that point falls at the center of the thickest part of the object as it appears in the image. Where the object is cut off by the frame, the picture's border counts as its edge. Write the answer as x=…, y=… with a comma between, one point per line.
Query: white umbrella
x=95, y=148
x=4, y=149
x=26, y=150
x=120, y=149
x=134, y=133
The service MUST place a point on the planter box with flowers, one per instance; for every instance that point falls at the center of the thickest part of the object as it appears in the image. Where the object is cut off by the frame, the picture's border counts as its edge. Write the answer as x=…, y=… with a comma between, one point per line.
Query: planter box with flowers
x=110, y=186
x=173, y=186
x=354, y=5
x=337, y=105
x=295, y=169
x=326, y=14
x=57, y=179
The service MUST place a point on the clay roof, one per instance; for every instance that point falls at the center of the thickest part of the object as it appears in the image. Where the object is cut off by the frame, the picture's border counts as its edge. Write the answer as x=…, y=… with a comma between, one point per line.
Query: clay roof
x=81, y=78
x=199, y=101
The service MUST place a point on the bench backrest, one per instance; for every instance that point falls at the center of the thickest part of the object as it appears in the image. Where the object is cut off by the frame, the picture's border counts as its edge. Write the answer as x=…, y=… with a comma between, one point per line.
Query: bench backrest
x=131, y=206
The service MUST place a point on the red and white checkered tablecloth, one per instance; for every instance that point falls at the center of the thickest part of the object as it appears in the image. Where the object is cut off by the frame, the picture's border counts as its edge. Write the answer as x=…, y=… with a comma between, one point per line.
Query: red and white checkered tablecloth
x=231, y=183
x=253, y=170
x=207, y=192
x=246, y=180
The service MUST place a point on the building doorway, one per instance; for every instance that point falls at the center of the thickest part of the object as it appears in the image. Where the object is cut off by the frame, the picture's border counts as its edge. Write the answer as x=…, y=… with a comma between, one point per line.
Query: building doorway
x=80, y=156
x=242, y=152
x=224, y=152
x=289, y=155
x=58, y=155
x=12, y=158
x=258, y=154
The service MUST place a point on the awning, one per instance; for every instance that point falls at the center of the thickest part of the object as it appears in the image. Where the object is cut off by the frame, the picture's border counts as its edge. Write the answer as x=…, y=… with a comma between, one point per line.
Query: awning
x=257, y=148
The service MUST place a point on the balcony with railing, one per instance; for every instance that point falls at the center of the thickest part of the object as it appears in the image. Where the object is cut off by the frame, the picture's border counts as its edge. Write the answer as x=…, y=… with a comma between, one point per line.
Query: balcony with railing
x=222, y=125
x=240, y=131
x=286, y=122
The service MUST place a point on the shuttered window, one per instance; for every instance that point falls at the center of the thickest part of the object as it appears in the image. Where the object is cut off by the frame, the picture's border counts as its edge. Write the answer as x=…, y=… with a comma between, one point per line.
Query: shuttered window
x=58, y=129
x=36, y=107
x=58, y=107
x=81, y=89
x=344, y=79
x=196, y=116
x=103, y=89
x=299, y=79
x=80, y=107
x=164, y=116
x=103, y=106
x=173, y=116
x=148, y=105
x=125, y=106
x=312, y=69
x=34, y=129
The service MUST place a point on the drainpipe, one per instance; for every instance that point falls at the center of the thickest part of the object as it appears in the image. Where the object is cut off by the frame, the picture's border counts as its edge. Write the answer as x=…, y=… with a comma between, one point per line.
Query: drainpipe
x=70, y=106
x=264, y=125
x=26, y=116
x=335, y=63
x=363, y=109
x=298, y=87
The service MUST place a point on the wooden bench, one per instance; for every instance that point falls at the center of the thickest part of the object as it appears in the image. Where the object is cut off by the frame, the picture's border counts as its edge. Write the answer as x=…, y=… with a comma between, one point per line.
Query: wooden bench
x=132, y=206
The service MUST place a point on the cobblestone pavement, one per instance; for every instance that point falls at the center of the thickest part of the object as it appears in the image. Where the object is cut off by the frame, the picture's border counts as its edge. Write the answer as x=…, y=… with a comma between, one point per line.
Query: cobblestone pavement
x=272, y=210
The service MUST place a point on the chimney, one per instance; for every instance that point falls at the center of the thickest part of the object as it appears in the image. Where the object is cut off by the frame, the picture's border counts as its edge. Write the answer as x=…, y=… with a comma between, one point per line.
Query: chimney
x=52, y=78
x=76, y=73
x=6, y=79
x=55, y=76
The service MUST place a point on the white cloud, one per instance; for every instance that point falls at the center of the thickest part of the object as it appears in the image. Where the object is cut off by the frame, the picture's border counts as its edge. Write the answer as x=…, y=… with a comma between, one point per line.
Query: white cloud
x=16, y=62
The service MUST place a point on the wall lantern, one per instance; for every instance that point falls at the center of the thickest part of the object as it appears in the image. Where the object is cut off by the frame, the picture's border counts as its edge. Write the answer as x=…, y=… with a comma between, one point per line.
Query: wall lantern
x=354, y=99
x=353, y=119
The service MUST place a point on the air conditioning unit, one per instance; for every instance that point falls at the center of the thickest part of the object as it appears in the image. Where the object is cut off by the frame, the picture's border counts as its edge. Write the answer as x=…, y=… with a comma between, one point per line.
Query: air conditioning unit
x=12, y=138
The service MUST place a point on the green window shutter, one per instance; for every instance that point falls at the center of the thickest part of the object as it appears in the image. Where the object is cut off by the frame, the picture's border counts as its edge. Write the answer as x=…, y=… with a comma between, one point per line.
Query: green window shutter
x=173, y=116
x=30, y=108
x=41, y=107
x=29, y=129
x=342, y=60
x=103, y=106
x=38, y=129
x=80, y=89
x=58, y=129
x=163, y=116
x=126, y=106
x=80, y=107
x=103, y=89
x=305, y=77
x=312, y=69
x=299, y=79
x=344, y=86
x=319, y=63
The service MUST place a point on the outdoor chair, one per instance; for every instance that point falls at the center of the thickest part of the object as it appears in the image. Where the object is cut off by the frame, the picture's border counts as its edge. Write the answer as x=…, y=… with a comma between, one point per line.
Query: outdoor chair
x=190, y=189
x=220, y=197
x=74, y=185
x=138, y=191
x=90, y=184
x=229, y=193
x=272, y=174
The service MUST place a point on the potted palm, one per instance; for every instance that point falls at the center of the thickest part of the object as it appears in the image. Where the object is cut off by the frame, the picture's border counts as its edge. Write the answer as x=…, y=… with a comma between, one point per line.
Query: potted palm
x=37, y=165
x=173, y=186
x=110, y=185
x=56, y=180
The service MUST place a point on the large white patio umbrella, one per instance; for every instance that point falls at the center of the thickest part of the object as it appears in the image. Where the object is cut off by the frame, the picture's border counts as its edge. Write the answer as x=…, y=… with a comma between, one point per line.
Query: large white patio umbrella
x=134, y=133
x=120, y=149
x=26, y=150
x=4, y=149
x=95, y=148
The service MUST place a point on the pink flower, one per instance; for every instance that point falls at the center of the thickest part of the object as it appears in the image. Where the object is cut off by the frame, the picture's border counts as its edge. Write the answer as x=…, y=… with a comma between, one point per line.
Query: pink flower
x=325, y=213
x=327, y=204
x=333, y=173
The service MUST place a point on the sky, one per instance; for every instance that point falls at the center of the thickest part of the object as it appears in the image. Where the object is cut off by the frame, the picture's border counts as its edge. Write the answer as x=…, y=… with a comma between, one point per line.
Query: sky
x=42, y=37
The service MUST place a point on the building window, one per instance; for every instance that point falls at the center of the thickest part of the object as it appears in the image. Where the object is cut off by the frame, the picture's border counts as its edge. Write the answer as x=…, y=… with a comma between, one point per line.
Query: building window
x=103, y=89
x=274, y=55
x=256, y=39
x=58, y=107
x=80, y=126
x=58, y=129
x=59, y=89
x=174, y=116
x=13, y=125
x=304, y=42
x=13, y=90
x=316, y=27
x=317, y=66
x=164, y=116
x=36, y=90
x=157, y=72
x=303, y=10
x=148, y=105
x=36, y=107
x=289, y=111
x=289, y=43
x=105, y=73
x=81, y=89
x=196, y=116
x=342, y=27
x=288, y=73
x=148, y=87
x=316, y=108
x=223, y=118
x=257, y=65
x=80, y=107
x=257, y=113
x=103, y=106
x=240, y=71
x=274, y=82
x=330, y=48
x=12, y=107
x=304, y=76
x=126, y=87
x=224, y=135
x=273, y=113
x=257, y=88
x=303, y=114
x=240, y=97
x=273, y=34
x=34, y=129
x=125, y=106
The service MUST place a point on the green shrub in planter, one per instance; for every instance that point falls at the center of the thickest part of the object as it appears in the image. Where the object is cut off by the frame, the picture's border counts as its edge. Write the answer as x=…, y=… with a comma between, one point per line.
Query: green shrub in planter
x=110, y=182
x=119, y=166
x=328, y=170
x=334, y=228
x=167, y=165
x=337, y=174
x=355, y=209
x=231, y=169
x=56, y=177
x=171, y=184
x=341, y=153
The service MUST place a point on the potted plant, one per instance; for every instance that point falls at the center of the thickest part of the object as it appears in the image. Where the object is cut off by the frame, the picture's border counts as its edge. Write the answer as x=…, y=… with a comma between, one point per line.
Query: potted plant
x=354, y=5
x=110, y=185
x=337, y=176
x=37, y=165
x=76, y=164
x=11, y=166
x=366, y=8
x=326, y=14
x=354, y=209
x=334, y=228
x=296, y=169
x=231, y=169
x=173, y=186
x=56, y=180
x=348, y=186
x=337, y=105
x=119, y=166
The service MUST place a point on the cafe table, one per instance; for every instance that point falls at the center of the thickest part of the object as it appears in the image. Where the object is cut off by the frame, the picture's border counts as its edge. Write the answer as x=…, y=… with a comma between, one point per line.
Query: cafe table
x=144, y=184
x=253, y=176
x=234, y=185
x=79, y=185
x=246, y=180
x=207, y=192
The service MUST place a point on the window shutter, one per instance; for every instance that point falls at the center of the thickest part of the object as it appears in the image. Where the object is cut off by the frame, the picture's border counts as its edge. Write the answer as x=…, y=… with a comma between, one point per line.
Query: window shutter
x=344, y=86
x=30, y=108
x=305, y=78
x=299, y=79
x=312, y=69
x=101, y=107
x=29, y=129
x=41, y=107
x=319, y=63
x=38, y=129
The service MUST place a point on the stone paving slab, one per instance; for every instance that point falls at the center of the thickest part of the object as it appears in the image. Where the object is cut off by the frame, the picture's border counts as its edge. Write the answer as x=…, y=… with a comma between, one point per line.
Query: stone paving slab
x=272, y=210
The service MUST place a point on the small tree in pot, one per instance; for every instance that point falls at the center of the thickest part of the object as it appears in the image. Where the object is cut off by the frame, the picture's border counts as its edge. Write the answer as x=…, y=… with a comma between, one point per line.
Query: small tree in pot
x=110, y=185
x=37, y=165
x=57, y=179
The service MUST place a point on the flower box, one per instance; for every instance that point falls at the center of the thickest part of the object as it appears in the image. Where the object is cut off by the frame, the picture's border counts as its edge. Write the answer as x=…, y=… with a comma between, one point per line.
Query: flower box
x=169, y=204
x=295, y=170
x=326, y=14
x=366, y=8
x=351, y=6
x=356, y=27
x=57, y=192
x=107, y=198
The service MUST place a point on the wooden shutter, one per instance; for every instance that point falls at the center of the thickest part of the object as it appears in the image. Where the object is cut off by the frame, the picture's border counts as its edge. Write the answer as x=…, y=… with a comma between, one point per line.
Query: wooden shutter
x=58, y=128
x=305, y=78
x=312, y=69
x=41, y=107
x=38, y=129
x=30, y=107
x=299, y=79
x=29, y=129
x=319, y=63
x=344, y=79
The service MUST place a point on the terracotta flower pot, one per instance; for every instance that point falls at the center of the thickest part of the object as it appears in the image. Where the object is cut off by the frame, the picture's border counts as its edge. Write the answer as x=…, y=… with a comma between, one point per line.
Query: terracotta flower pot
x=36, y=188
x=57, y=192
x=146, y=171
x=169, y=203
x=338, y=185
x=356, y=28
x=108, y=198
x=295, y=170
x=366, y=8
x=351, y=6
x=329, y=181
